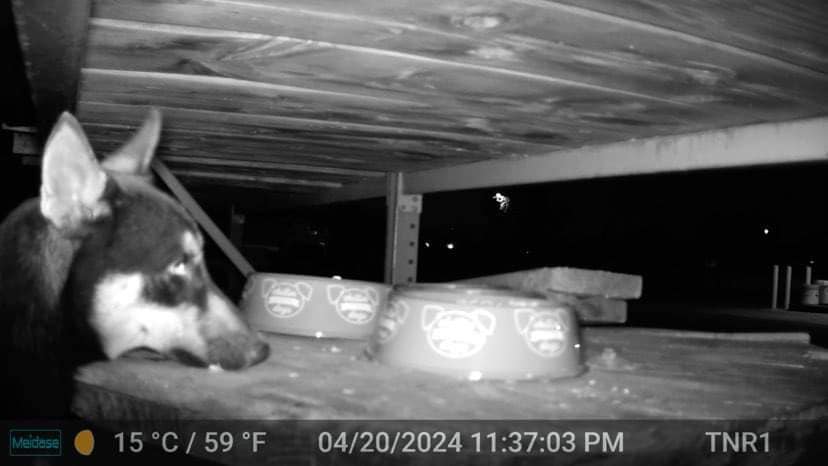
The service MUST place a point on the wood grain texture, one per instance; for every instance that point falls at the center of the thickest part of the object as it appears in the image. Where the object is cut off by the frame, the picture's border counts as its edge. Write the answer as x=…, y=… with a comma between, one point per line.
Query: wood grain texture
x=300, y=151
x=487, y=117
x=404, y=86
x=278, y=193
x=579, y=42
x=633, y=374
x=271, y=167
x=265, y=179
x=592, y=309
x=116, y=44
x=298, y=129
x=596, y=296
x=568, y=280
x=793, y=32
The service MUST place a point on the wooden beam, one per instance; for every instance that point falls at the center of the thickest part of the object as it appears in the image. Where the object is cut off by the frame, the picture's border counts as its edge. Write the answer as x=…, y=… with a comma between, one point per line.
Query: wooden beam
x=26, y=142
x=202, y=218
x=369, y=189
x=280, y=129
x=765, y=144
x=264, y=165
x=265, y=179
x=52, y=37
x=762, y=144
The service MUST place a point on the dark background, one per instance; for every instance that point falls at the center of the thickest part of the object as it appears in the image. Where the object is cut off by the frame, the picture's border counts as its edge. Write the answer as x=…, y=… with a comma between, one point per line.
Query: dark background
x=693, y=236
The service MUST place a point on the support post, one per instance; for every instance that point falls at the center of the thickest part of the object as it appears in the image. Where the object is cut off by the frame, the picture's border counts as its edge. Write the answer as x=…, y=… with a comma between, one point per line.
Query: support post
x=775, y=287
x=402, y=231
x=788, y=273
x=181, y=193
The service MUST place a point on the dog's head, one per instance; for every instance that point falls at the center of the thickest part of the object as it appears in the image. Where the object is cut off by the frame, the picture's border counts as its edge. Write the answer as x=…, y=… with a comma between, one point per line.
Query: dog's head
x=138, y=279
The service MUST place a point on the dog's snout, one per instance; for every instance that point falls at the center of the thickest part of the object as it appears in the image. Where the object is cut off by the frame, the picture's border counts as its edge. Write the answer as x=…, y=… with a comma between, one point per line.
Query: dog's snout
x=237, y=351
x=259, y=352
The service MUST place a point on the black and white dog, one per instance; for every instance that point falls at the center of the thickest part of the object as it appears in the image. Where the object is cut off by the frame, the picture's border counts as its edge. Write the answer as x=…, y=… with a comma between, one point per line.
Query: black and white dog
x=100, y=264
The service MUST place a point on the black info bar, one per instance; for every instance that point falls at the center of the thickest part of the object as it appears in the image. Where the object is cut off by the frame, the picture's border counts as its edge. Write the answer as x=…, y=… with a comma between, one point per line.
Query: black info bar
x=322, y=442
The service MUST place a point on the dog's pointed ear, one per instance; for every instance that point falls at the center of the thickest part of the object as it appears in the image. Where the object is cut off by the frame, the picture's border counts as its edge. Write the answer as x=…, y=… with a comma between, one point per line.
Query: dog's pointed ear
x=135, y=156
x=73, y=184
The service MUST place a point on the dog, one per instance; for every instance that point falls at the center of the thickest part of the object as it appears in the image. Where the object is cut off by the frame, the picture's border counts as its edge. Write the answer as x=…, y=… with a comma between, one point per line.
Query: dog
x=103, y=263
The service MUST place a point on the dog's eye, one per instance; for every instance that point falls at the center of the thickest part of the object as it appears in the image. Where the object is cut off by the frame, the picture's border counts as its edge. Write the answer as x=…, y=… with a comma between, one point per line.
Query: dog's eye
x=180, y=266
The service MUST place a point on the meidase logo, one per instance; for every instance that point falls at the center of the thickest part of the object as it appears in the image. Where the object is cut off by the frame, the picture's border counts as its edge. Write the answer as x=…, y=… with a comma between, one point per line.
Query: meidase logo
x=454, y=333
x=356, y=306
x=285, y=299
x=391, y=320
x=544, y=331
x=24, y=442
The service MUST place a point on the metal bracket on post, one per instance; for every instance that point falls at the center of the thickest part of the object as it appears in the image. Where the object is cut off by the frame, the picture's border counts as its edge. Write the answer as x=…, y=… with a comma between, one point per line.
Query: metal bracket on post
x=402, y=232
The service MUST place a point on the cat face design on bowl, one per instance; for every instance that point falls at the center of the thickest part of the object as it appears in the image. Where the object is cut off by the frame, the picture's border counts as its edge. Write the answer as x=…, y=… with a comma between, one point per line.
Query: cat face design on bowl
x=454, y=333
x=391, y=320
x=356, y=306
x=285, y=299
x=544, y=330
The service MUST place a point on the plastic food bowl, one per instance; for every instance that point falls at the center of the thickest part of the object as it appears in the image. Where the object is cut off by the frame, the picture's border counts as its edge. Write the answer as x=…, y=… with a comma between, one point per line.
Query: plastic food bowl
x=477, y=333
x=313, y=306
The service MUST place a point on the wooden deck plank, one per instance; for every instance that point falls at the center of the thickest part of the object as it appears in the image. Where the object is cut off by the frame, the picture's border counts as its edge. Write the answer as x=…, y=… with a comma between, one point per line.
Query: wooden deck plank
x=340, y=174
x=221, y=94
x=578, y=42
x=608, y=80
x=284, y=60
x=633, y=374
x=337, y=133
x=770, y=27
x=289, y=150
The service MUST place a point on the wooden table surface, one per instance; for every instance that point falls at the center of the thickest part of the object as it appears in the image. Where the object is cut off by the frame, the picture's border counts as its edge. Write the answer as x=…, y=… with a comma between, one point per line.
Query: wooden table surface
x=633, y=373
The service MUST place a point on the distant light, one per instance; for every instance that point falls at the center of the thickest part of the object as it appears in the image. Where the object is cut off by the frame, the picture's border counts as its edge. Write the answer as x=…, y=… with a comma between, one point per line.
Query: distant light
x=502, y=200
x=766, y=231
x=337, y=277
x=450, y=246
x=427, y=244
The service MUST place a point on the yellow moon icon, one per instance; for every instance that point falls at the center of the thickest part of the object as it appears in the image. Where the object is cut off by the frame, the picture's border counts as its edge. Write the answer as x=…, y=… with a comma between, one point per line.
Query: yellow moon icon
x=85, y=442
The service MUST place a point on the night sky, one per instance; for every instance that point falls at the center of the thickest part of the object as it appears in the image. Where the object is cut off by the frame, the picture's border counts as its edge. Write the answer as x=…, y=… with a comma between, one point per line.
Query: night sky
x=698, y=236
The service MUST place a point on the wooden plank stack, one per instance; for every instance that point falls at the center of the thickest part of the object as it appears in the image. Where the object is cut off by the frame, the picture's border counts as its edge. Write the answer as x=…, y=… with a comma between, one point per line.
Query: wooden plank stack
x=597, y=296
